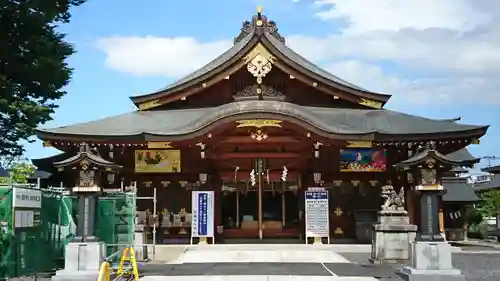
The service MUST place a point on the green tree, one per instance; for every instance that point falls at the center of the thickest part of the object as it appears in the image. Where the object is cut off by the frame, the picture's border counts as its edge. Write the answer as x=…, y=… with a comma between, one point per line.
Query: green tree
x=490, y=205
x=33, y=69
x=20, y=171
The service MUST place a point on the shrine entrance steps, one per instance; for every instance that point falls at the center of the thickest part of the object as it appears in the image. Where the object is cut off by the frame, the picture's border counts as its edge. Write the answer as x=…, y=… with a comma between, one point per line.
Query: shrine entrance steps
x=274, y=241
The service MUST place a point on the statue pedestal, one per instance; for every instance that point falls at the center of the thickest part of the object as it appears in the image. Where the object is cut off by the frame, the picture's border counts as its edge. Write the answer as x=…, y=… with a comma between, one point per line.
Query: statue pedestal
x=140, y=240
x=82, y=262
x=431, y=261
x=392, y=237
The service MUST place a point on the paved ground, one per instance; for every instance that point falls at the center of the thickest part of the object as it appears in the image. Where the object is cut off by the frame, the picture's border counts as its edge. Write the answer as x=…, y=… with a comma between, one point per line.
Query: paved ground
x=299, y=269
x=300, y=262
x=475, y=266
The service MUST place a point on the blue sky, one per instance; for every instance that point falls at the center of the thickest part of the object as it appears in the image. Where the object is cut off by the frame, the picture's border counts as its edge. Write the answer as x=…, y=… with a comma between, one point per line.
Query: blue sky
x=438, y=64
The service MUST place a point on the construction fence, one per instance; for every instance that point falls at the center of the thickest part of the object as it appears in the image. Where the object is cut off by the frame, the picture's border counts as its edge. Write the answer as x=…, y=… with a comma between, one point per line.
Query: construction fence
x=37, y=224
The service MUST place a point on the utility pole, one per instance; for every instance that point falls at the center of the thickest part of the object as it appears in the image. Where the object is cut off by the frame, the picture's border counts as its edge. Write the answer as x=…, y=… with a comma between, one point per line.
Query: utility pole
x=491, y=158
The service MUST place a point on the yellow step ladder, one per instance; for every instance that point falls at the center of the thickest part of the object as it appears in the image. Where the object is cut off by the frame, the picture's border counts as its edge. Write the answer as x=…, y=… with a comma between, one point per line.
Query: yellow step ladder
x=128, y=256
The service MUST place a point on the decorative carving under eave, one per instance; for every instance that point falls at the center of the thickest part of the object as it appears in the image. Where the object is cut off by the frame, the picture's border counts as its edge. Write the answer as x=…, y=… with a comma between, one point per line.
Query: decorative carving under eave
x=149, y=104
x=429, y=172
x=370, y=103
x=359, y=144
x=337, y=183
x=393, y=201
x=159, y=144
x=258, y=123
x=259, y=92
x=87, y=178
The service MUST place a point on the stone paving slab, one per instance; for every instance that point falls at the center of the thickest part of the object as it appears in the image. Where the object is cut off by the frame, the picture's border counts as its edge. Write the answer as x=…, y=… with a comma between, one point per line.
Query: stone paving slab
x=270, y=269
x=266, y=254
x=475, y=266
x=311, y=269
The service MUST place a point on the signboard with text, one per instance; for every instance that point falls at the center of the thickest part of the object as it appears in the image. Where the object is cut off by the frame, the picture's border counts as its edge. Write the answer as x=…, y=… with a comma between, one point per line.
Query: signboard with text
x=316, y=207
x=202, y=222
x=27, y=203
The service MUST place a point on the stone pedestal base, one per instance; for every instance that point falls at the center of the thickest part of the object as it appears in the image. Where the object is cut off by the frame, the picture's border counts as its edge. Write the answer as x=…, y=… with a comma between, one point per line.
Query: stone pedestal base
x=82, y=262
x=431, y=261
x=140, y=239
x=392, y=237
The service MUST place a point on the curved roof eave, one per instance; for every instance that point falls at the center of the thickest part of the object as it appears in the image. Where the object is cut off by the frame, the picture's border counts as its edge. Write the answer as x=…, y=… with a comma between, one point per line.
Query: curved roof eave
x=372, y=136
x=379, y=125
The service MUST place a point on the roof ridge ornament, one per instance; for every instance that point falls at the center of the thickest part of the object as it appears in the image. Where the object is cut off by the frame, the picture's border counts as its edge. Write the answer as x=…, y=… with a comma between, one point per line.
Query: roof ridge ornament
x=259, y=21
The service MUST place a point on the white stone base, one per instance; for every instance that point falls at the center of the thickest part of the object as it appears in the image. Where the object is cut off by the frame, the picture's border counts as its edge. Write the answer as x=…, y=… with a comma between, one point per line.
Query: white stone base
x=141, y=252
x=412, y=274
x=431, y=261
x=67, y=275
x=82, y=262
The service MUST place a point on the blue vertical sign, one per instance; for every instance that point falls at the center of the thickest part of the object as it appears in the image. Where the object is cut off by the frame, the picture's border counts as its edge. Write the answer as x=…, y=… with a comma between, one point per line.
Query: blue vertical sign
x=202, y=214
x=317, y=219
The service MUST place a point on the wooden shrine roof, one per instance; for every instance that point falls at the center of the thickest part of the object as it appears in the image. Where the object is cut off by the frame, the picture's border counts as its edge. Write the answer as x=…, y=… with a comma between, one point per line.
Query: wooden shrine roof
x=458, y=190
x=264, y=33
x=352, y=124
x=492, y=169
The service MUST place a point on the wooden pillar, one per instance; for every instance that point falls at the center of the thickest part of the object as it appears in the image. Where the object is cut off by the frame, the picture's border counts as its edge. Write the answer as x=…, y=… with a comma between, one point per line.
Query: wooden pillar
x=410, y=204
x=411, y=198
x=317, y=176
x=283, y=210
x=441, y=217
x=259, y=192
x=217, y=187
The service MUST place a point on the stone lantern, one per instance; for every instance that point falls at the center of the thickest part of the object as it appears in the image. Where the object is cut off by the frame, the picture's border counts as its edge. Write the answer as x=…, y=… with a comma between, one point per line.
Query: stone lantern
x=431, y=254
x=90, y=171
x=85, y=253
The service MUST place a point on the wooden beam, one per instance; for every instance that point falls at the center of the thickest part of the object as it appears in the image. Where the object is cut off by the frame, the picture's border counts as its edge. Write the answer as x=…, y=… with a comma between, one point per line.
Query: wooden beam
x=268, y=155
x=247, y=139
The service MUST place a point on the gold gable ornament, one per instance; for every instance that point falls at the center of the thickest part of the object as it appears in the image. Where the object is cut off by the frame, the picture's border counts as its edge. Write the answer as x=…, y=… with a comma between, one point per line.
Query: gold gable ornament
x=259, y=62
x=370, y=103
x=84, y=165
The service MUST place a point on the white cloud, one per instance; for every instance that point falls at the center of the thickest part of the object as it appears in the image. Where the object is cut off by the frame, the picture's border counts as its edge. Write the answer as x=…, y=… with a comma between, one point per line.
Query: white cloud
x=446, y=49
x=393, y=15
x=438, y=90
x=170, y=57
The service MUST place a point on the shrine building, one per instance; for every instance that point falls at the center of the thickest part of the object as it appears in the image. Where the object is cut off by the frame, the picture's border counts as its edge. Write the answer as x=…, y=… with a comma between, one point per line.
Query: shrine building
x=259, y=125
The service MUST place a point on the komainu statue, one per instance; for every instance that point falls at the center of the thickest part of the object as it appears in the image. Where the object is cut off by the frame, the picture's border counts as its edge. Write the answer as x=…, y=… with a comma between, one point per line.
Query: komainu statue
x=393, y=201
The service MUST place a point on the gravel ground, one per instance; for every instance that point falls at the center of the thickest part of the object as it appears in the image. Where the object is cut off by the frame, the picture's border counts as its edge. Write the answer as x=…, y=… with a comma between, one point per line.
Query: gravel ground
x=476, y=267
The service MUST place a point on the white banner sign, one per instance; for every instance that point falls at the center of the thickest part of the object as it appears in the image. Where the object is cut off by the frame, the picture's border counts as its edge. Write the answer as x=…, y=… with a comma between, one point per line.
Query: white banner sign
x=202, y=222
x=317, y=220
x=27, y=198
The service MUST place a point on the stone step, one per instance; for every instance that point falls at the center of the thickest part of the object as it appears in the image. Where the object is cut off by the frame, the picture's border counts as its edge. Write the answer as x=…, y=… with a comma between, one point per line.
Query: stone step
x=277, y=256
